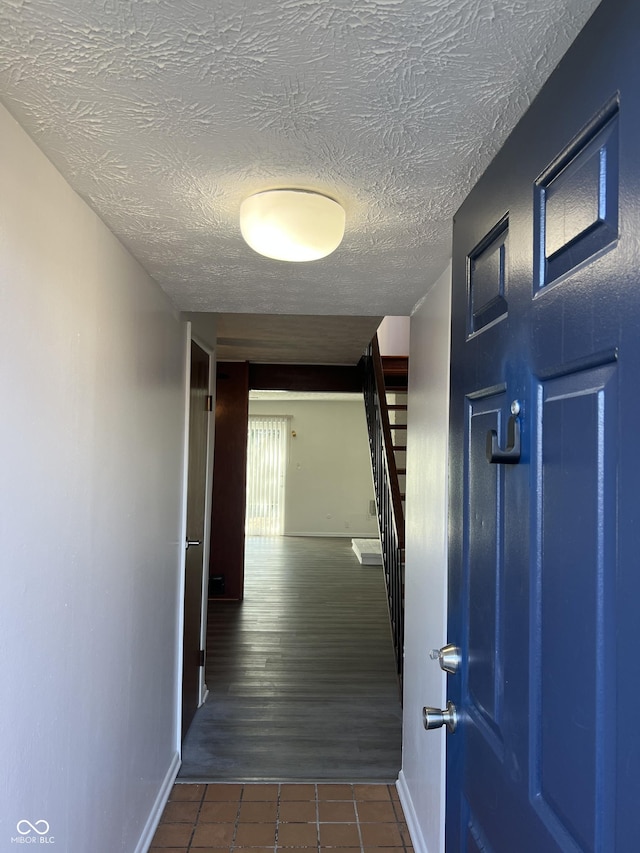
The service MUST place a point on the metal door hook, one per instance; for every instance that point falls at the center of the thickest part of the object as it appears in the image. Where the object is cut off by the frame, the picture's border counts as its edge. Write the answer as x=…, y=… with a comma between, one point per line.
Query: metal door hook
x=511, y=453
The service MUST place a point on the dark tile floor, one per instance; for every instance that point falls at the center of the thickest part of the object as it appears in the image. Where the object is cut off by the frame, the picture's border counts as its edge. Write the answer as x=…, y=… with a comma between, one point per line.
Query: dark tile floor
x=266, y=818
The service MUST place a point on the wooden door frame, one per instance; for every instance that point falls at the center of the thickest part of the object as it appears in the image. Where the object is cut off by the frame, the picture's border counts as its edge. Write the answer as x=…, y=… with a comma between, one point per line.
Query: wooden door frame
x=203, y=690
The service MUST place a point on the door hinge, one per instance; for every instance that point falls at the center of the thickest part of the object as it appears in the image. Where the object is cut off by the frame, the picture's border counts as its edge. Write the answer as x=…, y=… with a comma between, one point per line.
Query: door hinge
x=201, y=657
x=209, y=405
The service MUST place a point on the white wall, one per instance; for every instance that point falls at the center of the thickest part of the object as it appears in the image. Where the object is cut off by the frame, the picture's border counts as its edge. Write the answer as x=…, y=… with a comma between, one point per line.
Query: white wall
x=394, y=336
x=422, y=778
x=328, y=482
x=92, y=365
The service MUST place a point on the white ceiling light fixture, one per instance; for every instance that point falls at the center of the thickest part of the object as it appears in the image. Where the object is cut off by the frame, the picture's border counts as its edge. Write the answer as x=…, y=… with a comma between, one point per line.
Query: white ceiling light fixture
x=292, y=225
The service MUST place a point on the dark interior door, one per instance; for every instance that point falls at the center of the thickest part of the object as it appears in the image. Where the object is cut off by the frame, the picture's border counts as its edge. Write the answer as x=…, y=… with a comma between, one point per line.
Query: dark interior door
x=197, y=480
x=544, y=582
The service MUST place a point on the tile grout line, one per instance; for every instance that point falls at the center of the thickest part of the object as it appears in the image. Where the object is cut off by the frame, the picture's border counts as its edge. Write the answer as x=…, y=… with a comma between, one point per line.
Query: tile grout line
x=195, y=823
x=277, y=831
x=315, y=788
x=396, y=805
x=236, y=823
x=355, y=808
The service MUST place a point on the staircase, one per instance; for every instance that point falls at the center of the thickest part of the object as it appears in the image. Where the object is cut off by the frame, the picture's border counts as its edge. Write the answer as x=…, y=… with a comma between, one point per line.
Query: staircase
x=385, y=396
x=395, y=372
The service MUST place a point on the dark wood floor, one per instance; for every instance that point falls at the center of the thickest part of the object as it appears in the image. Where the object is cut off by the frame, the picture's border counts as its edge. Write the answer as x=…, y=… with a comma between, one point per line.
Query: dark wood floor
x=301, y=674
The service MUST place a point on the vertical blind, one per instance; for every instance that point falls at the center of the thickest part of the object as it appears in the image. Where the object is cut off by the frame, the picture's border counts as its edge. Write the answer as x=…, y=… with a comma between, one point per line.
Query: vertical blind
x=266, y=462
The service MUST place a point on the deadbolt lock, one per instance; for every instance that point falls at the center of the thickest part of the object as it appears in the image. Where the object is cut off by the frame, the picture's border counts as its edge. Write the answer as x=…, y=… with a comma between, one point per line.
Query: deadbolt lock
x=448, y=657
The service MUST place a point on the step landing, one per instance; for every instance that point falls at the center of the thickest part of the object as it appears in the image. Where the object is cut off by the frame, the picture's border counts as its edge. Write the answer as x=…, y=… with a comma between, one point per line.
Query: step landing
x=368, y=551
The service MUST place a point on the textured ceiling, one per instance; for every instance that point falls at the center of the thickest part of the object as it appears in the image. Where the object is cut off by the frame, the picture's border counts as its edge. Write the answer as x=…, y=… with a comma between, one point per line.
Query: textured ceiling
x=165, y=114
x=283, y=338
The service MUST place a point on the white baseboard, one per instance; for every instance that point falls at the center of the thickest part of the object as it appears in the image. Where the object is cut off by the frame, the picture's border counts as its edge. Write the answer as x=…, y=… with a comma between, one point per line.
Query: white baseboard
x=158, y=807
x=417, y=838
x=342, y=534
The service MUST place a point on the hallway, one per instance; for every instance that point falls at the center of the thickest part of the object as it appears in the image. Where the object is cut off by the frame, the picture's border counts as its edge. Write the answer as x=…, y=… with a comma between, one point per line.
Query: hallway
x=301, y=674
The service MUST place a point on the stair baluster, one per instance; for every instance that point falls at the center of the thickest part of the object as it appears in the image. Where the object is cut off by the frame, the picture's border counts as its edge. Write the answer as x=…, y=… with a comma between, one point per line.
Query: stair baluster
x=386, y=484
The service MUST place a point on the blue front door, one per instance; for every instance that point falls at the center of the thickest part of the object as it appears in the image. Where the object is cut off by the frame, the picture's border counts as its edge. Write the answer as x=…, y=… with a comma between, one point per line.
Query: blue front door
x=544, y=587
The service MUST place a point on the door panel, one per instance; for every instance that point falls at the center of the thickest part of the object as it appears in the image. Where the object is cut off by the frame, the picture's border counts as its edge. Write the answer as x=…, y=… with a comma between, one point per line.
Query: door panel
x=488, y=279
x=543, y=580
x=576, y=199
x=485, y=491
x=576, y=545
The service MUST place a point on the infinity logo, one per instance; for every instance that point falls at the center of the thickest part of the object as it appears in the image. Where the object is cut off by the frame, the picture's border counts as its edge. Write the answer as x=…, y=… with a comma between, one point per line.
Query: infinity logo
x=41, y=827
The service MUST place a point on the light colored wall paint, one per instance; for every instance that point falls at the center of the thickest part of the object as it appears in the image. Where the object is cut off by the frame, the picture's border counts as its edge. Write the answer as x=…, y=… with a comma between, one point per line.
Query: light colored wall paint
x=328, y=483
x=394, y=335
x=423, y=753
x=92, y=367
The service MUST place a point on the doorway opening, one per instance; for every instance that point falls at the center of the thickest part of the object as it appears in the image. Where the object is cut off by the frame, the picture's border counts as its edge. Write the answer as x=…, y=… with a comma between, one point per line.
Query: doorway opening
x=301, y=669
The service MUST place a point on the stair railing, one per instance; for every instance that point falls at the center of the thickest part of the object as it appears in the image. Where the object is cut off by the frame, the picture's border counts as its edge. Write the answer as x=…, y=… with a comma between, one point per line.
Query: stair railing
x=387, y=492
